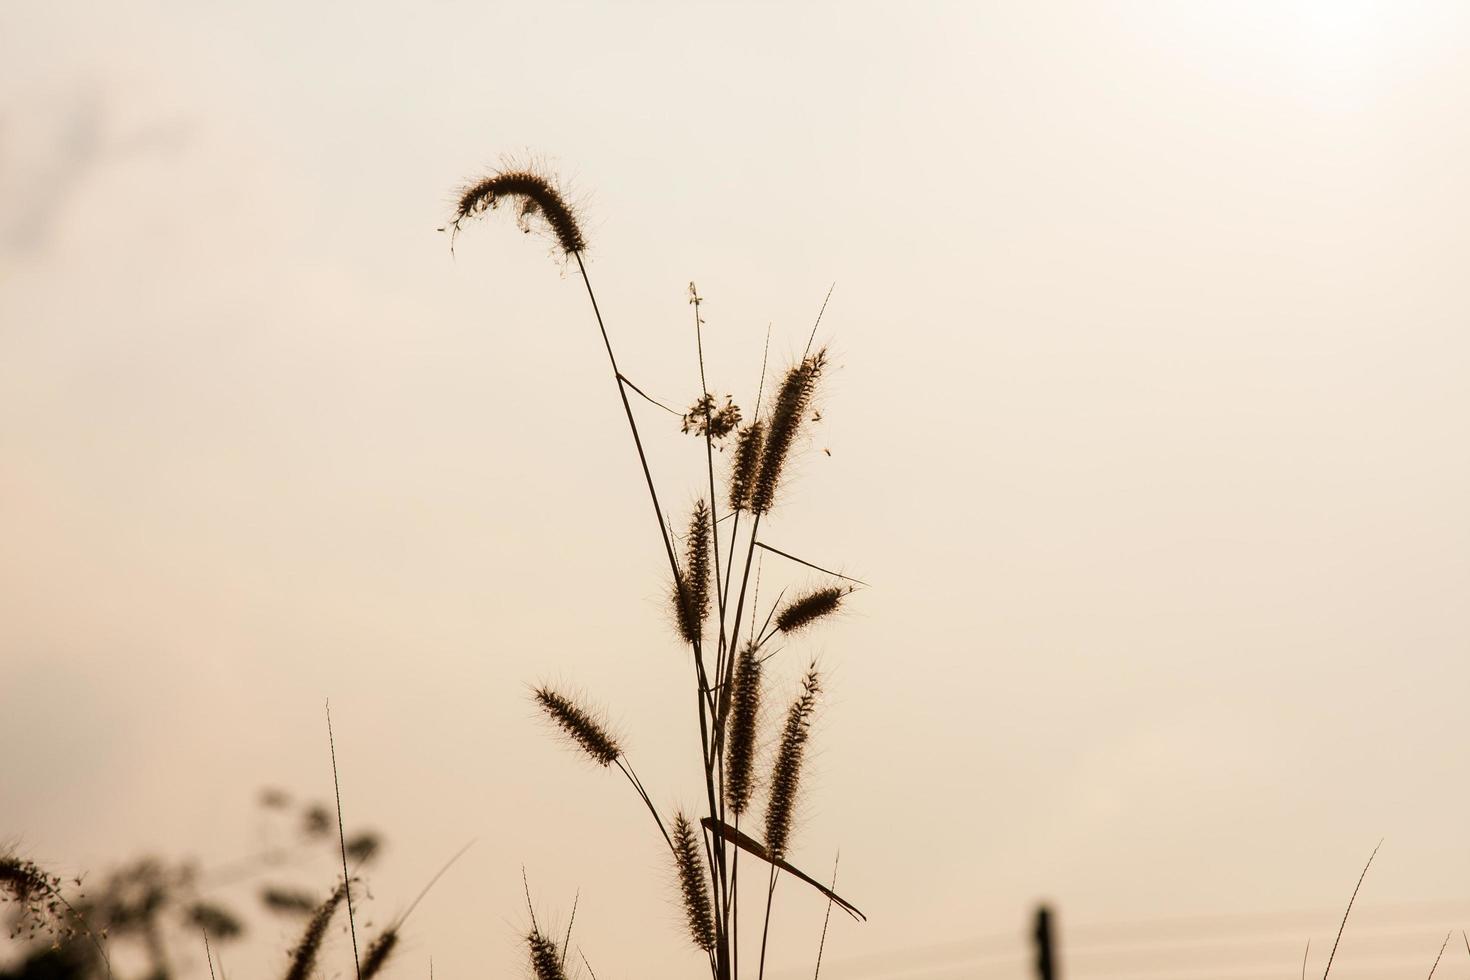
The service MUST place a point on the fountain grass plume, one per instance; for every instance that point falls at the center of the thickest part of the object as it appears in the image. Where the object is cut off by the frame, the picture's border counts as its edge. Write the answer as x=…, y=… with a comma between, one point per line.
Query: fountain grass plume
x=546, y=959
x=691, y=586
x=580, y=725
x=744, y=717
x=748, y=445
x=807, y=609
x=692, y=886
x=303, y=957
x=792, y=400
x=534, y=194
x=786, y=773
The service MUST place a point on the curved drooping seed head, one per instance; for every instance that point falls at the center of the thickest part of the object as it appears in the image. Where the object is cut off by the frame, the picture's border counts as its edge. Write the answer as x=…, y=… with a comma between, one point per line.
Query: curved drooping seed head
x=534, y=196
x=786, y=774
x=303, y=957
x=580, y=725
x=792, y=400
x=745, y=707
x=691, y=584
x=748, y=445
x=545, y=958
x=806, y=609
x=692, y=887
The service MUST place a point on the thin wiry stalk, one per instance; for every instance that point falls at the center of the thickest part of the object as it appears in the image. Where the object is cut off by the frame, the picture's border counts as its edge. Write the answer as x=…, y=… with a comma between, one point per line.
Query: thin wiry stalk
x=342, y=838
x=766, y=928
x=627, y=770
x=208, y=956
x=1349, y=909
x=567, y=943
x=826, y=921
x=802, y=561
x=1441, y=954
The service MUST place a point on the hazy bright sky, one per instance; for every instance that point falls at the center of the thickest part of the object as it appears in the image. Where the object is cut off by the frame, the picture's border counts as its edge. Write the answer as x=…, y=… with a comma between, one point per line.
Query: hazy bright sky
x=1150, y=430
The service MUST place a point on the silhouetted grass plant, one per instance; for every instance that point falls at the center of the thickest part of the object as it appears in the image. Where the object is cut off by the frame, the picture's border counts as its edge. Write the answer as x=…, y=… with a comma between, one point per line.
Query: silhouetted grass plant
x=713, y=607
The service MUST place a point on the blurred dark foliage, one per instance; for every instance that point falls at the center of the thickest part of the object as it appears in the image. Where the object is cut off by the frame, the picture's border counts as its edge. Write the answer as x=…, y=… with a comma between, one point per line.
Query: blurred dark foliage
x=149, y=908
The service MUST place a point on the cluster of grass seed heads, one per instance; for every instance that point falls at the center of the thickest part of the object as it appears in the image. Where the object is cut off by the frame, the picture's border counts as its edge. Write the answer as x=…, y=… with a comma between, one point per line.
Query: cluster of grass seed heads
x=546, y=961
x=748, y=446
x=707, y=417
x=786, y=773
x=745, y=707
x=579, y=725
x=42, y=907
x=792, y=401
x=303, y=957
x=534, y=196
x=690, y=865
x=691, y=585
x=806, y=609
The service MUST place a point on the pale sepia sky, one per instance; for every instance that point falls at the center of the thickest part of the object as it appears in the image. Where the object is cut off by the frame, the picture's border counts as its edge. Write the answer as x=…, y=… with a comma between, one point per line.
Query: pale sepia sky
x=1149, y=430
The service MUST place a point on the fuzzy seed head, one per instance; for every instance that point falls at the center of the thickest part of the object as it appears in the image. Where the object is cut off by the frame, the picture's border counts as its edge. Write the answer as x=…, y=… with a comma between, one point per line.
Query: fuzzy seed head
x=691, y=585
x=579, y=725
x=303, y=957
x=38, y=896
x=786, y=774
x=807, y=609
x=534, y=197
x=378, y=952
x=692, y=887
x=745, y=708
x=545, y=957
x=748, y=446
x=708, y=417
x=792, y=400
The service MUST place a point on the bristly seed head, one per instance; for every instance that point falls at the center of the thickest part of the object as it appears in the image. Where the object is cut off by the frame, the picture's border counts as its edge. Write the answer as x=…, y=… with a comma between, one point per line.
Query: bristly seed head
x=545, y=957
x=792, y=400
x=807, y=609
x=691, y=585
x=378, y=952
x=38, y=895
x=533, y=194
x=690, y=866
x=786, y=774
x=303, y=958
x=745, y=707
x=579, y=725
x=748, y=447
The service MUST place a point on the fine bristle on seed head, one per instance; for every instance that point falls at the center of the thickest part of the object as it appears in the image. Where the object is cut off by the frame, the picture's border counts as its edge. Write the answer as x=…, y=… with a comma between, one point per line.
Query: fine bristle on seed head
x=690, y=866
x=792, y=400
x=691, y=584
x=534, y=196
x=748, y=446
x=786, y=773
x=545, y=957
x=745, y=709
x=808, y=608
x=579, y=725
x=303, y=957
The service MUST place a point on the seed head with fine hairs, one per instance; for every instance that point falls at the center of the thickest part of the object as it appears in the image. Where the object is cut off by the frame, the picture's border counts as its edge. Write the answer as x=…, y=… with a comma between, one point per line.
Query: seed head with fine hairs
x=745, y=707
x=534, y=196
x=691, y=586
x=792, y=400
x=37, y=893
x=378, y=952
x=303, y=957
x=690, y=865
x=786, y=774
x=807, y=609
x=579, y=725
x=545, y=957
x=748, y=446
